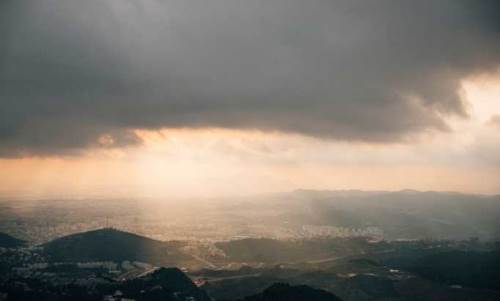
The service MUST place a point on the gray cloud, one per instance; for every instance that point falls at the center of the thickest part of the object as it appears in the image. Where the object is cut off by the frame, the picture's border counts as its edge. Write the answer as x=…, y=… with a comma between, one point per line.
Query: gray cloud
x=72, y=71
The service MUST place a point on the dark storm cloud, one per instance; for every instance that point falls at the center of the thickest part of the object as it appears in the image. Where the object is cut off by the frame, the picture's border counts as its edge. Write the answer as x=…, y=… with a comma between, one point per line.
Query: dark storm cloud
x=73, y=72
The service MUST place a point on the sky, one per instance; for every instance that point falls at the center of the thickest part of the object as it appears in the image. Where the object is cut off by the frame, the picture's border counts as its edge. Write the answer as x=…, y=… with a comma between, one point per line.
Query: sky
x=225, y=97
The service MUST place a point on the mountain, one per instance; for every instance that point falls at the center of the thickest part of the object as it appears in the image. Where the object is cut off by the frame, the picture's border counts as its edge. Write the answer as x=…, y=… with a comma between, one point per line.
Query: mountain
x=275, y=251
x=114, y=245
x=479, y=270
x=398, y=215
x=165, y=284
x=286, y=292
x=162, y=284
x=7, y=241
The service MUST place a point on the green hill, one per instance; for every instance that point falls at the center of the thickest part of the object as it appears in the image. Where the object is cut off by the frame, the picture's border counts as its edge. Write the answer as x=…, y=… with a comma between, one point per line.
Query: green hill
x=115, y=245
x=7, y=241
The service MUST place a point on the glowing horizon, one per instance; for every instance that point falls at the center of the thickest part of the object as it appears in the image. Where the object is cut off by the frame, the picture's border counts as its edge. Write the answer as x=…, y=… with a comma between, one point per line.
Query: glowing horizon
x=212, y=162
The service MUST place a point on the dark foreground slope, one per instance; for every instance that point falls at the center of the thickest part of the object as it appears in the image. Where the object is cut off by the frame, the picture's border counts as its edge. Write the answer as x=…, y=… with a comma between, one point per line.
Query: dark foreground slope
x=7, y=241
x=403, y=271
x=480, y=270
x=286, y=292
x=165, y=284
x=115, y=245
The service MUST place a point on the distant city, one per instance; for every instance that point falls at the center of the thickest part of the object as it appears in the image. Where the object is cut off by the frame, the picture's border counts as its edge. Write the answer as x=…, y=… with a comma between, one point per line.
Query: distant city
x=323, y=243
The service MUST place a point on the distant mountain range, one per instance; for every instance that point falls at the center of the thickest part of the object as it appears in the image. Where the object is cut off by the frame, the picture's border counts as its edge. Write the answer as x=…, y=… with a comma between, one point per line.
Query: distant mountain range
x=400, y=214
x=115, y=245
x=7, y=241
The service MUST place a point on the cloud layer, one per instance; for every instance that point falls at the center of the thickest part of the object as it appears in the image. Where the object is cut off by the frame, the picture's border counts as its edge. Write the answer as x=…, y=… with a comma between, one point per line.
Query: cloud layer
x=77, y=74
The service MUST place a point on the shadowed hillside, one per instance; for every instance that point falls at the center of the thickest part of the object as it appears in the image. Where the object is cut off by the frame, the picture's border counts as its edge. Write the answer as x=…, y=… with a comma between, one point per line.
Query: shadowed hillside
x=272, y=250
x=165, y=284
x=468, y=269
x=285, y=292
x=115, y=245
x=7, y=241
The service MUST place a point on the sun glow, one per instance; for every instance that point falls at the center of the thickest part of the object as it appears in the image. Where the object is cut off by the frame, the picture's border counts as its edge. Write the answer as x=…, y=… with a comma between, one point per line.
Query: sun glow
x=210, y=162
x=483, y=94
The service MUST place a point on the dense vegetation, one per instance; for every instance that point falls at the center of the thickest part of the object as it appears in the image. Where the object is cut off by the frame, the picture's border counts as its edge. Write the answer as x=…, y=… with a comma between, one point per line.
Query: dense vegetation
x=114, y=245
x=7, y=241
x=286, y=292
